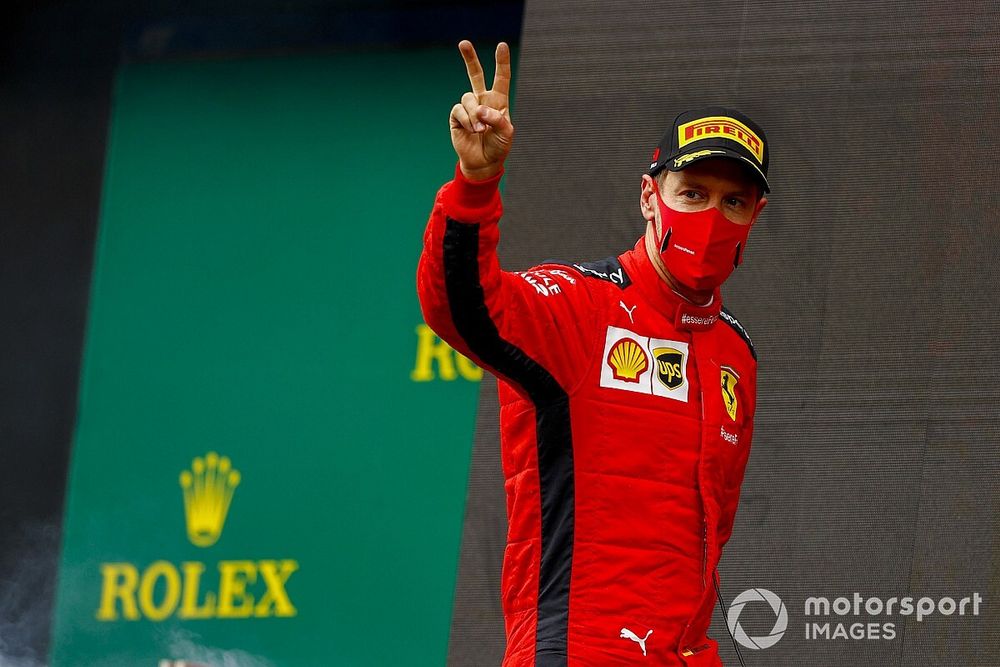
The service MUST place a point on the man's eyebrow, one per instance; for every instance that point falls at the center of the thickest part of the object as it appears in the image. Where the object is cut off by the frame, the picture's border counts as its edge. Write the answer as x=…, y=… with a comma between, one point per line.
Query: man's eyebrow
x=690, y=183
x=743, y=191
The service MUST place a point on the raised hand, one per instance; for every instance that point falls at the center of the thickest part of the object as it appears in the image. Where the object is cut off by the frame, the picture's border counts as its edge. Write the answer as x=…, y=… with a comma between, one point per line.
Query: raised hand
x=481, y=131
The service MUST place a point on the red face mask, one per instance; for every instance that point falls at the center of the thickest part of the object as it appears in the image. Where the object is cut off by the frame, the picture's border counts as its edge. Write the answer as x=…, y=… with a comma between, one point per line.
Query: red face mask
x=699, y=249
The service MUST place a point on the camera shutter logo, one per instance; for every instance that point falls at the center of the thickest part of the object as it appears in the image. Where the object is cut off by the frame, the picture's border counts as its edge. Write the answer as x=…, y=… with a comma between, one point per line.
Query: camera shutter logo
x=757, y=595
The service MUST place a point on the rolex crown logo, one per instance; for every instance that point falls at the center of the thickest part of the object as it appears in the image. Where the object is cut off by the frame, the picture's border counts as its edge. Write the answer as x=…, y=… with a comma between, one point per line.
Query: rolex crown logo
x=208, y=490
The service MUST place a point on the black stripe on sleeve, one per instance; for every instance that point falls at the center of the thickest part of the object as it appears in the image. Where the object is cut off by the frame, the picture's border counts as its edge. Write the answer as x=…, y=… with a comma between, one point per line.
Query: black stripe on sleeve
x=552, y=430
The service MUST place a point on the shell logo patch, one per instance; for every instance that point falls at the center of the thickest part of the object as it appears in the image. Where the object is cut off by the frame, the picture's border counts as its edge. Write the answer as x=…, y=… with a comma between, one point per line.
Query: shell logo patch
x=627, y=360
x=627, y=357
x=729, y=380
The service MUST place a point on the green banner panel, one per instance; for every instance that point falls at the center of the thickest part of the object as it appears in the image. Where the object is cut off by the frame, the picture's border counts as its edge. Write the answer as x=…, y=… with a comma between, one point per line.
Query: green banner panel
x=272, y=449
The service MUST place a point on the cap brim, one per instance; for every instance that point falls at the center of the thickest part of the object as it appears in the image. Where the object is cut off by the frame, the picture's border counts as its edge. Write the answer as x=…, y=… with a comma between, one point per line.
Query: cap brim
x=705, y=152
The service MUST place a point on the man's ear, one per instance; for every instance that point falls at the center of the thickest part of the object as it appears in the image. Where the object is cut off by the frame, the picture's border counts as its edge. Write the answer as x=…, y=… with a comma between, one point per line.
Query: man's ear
x=647, y=205
x=757, y=209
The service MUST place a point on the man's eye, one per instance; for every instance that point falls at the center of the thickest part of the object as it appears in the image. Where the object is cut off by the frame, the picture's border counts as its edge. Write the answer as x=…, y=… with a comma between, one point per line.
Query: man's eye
x=733, y=201
x=690, y=194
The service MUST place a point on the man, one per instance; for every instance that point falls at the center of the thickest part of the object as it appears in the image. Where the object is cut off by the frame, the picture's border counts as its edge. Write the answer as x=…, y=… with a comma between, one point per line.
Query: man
x=626, y=392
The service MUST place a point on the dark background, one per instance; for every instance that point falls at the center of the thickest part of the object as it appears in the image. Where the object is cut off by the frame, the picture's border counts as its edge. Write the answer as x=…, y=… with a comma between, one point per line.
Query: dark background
x=870, y=288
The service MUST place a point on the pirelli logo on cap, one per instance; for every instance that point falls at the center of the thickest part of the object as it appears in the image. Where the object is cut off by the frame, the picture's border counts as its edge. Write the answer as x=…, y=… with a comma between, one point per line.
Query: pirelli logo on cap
x=724, y=127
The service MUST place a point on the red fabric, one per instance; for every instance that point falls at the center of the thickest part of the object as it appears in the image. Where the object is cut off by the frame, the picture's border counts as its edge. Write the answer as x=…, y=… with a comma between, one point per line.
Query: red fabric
x=656, y=477
x=703, y=247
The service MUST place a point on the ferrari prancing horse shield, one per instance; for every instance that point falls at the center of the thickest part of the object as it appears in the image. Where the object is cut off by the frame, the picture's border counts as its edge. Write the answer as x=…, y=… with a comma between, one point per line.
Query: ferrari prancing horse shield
x=729, y=380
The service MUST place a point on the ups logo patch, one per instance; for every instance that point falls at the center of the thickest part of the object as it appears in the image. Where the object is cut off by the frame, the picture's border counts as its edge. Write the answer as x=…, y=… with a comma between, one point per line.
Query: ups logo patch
x=669, y=366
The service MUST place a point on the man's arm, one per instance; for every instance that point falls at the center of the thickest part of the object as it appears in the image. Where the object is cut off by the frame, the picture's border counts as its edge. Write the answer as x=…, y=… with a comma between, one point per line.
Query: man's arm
x=531, y=327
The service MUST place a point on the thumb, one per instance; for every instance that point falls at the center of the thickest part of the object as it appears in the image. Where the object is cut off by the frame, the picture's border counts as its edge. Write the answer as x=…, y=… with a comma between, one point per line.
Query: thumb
x=497, y=120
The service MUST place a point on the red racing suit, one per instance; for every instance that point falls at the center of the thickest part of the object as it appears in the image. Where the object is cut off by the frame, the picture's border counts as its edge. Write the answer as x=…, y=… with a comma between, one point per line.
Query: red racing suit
x=626, y=415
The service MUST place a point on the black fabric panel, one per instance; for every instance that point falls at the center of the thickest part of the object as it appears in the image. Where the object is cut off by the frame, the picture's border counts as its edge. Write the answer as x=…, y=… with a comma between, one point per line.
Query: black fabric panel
x=608, y=269
x=555, y=472
x=552, y=430
x=727, y=316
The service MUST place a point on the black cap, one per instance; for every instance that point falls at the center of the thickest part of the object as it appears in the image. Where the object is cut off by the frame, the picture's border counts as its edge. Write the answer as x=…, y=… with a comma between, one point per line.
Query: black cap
x=712, y=132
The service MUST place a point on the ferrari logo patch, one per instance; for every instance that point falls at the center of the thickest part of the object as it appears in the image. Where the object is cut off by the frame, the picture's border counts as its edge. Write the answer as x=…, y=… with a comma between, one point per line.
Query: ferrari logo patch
x=729, y=380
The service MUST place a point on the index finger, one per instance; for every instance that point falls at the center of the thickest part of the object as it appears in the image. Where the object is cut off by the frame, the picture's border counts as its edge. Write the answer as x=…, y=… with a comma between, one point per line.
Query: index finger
x=473, y=67
x=501, y=80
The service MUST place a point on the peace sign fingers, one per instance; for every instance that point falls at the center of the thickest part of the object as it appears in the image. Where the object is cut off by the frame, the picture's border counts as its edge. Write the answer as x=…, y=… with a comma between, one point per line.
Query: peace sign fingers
x=481, y=129
x=501, y=80
x=473, y=67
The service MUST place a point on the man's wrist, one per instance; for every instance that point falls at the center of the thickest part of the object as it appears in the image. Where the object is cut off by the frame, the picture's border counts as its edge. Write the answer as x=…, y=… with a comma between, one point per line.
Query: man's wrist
x=481, y=174
x=465, y=196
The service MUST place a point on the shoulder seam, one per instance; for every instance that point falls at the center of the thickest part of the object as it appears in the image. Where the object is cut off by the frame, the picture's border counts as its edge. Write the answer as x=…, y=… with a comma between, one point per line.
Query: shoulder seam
x=727, y=316
x=609, y=269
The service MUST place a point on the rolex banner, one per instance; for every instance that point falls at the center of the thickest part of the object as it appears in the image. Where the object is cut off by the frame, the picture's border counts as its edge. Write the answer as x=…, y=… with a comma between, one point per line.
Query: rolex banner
x=272, y=449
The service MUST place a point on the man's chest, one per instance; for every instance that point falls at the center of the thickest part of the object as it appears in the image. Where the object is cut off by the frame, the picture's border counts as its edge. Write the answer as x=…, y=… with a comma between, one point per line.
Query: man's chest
x=642, y=365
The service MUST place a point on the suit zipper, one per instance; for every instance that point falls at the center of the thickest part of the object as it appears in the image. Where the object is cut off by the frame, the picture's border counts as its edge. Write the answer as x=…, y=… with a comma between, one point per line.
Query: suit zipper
x=704, y=554
x=704, y=519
